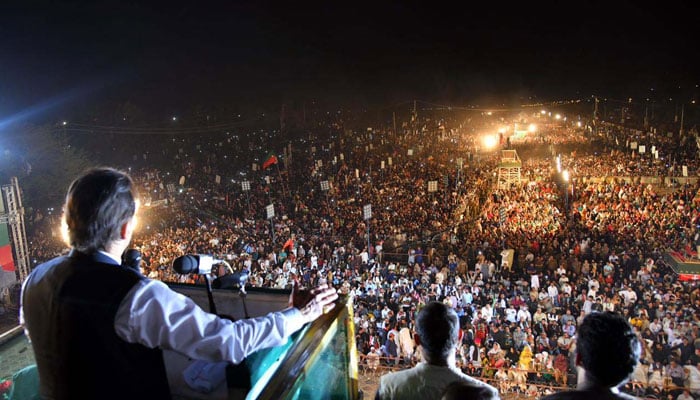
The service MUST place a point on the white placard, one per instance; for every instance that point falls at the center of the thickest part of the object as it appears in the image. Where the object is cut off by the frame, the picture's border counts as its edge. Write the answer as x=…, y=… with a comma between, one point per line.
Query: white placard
x=367, y=212
x=432, y=186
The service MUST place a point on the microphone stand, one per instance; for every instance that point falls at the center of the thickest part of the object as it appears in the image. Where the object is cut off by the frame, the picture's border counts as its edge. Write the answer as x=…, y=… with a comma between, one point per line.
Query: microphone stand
x=210, y=295
x=242, y=293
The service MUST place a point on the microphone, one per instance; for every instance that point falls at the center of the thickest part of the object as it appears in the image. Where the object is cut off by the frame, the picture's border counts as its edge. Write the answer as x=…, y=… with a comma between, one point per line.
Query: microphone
x=195, y=264
x=132, y=259
x=230, y=281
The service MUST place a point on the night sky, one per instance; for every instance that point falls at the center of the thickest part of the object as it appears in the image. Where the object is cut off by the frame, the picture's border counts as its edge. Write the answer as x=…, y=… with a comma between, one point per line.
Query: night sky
x=174, y=55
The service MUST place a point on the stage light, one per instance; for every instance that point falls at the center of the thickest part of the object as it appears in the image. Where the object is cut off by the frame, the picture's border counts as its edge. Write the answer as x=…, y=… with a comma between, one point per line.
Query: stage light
x=489, y=141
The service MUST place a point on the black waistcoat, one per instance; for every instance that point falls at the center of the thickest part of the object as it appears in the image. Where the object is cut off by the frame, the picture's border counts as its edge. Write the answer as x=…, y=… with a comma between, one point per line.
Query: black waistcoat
x=69, y=306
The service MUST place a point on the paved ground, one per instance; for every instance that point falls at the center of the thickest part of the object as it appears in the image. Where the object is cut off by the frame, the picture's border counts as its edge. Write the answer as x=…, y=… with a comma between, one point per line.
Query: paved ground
x=368, y=385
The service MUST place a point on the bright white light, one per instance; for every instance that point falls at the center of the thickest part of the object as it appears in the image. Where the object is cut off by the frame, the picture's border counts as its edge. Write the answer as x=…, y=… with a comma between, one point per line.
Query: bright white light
x=565, y=175
x=532, y=128
x=489, y=113
x=65, y=123
x=543, y=112
x=501, y=130
x=578, y=124
x=557, y=116
x=64, y=231
x=174, y=118
x=489, y=141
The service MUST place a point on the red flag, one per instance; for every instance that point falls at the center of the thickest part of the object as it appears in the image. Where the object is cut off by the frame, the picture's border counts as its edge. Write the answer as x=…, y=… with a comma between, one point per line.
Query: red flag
x=270, y=161
x=6, y=261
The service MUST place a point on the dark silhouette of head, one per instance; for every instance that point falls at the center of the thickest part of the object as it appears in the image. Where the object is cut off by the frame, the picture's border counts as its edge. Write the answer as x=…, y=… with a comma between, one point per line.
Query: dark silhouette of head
x=607, y=348
x=437, y=326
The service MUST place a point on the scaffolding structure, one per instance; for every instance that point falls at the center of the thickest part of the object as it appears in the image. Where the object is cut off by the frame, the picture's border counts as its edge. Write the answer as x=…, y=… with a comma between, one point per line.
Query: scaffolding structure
x=509, y=169
x=14, y=217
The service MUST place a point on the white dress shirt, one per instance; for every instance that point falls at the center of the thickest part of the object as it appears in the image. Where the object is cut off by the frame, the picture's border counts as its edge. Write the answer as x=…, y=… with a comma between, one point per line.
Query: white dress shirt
x=153, y=315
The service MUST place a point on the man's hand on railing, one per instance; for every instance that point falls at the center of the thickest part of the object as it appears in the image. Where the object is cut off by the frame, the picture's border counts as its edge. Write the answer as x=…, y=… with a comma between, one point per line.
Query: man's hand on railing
x=314, y=302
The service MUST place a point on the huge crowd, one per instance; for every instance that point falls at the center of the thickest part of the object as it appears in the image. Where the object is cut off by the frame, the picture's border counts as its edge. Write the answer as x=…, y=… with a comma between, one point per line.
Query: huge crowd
x=521, y=264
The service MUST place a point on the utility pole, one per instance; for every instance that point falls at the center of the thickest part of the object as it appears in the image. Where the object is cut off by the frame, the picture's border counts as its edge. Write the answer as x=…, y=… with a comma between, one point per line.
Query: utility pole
x=414, y=118
x=675, y=114
x=646, y=117
x=283, y=119
x=682, y=115
x=595, y=109
x=595, y=115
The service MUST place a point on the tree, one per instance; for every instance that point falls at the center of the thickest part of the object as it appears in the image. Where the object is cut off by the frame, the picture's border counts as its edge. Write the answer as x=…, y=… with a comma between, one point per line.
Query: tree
x=44, y=162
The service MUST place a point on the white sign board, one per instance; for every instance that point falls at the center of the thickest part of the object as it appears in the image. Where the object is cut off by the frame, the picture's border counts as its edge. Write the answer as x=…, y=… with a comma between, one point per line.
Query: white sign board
x=367, y=212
